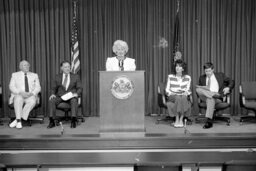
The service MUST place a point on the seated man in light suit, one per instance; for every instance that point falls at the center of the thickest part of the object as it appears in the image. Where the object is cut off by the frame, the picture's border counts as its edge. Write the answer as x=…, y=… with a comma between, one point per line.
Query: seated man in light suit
x=24, y=87
x=120, y=62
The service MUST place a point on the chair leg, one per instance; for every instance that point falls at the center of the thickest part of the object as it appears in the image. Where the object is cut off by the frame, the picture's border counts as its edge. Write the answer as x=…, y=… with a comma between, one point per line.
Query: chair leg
x=57, y=122
x=200, y=119
x=26, y=122
x=188, y=120
x=166, y=119
x=247, y=119
x=29, y=122
x=66, y=116
x=222, y=118
x=11, y=119
x=80, y=118
x=37, y=118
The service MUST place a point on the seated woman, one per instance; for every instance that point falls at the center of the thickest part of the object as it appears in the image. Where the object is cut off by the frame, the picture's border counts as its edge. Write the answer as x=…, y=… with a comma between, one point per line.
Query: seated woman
x=178, y=90
x=120, y=62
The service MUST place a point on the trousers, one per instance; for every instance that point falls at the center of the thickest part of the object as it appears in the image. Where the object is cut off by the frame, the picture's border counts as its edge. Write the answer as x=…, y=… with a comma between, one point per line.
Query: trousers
x=206, y=96
x=23, y=106
x=57, y=100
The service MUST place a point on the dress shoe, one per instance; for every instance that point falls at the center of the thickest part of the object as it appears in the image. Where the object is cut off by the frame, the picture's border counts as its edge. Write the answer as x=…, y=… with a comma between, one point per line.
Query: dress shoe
x=73, y=124
x=19, y=125
x=207, y=125
x=51, y=125
x=13, y=124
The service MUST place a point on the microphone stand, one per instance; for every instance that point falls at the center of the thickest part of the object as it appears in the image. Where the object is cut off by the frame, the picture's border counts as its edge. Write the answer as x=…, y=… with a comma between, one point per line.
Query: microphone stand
x=62, y=128
x=186, y=131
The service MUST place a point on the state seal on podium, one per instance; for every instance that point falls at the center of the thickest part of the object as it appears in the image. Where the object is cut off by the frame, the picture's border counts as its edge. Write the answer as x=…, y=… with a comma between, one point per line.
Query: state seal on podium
x=122, y=87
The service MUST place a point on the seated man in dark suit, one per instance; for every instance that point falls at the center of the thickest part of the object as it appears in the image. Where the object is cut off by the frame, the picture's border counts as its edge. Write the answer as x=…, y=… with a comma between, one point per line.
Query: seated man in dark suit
x=212, y=87
x=64, y=83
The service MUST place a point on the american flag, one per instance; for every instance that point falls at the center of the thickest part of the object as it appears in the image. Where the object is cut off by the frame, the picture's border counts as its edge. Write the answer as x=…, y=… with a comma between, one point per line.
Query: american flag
x=75, y=62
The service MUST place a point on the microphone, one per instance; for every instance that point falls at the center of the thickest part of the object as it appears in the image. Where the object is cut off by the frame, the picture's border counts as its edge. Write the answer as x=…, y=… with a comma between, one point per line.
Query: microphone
x=62, y=128
x=121, y=64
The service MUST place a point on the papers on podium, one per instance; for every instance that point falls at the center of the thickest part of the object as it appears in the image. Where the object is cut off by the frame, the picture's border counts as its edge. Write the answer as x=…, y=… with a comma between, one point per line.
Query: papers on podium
x=67, y=96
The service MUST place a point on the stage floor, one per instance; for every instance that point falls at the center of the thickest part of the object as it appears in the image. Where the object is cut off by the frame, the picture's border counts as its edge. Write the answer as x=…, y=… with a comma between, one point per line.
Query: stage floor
x=157, y=136
x=92, y=126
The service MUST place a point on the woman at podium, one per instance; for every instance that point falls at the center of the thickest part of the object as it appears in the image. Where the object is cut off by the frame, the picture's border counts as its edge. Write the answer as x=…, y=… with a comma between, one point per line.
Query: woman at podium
x=178, y=92
x=120, y=62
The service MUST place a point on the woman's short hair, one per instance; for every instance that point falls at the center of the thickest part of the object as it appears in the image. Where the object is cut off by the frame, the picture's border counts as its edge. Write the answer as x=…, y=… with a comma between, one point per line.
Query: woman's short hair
x=181, y=63
x=119, y=43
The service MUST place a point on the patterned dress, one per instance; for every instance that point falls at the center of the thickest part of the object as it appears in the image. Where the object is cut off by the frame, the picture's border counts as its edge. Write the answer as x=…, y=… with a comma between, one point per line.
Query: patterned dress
x=177, y=89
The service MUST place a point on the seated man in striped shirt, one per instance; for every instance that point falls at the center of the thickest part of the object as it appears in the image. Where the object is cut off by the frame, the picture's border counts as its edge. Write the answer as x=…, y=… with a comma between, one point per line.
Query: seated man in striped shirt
x=178, y=90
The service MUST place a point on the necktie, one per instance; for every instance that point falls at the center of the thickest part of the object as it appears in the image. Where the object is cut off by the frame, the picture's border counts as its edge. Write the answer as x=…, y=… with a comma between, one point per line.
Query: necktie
x=65, y=81
x=121, y=64
x=26, y=83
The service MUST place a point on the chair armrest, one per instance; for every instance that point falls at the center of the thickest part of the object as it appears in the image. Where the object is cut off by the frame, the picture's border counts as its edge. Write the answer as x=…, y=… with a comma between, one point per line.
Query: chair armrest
x=191, y=99
x=198, y=99
x=38, y=100
x=161, y=96
x=1, y=96
x=241, y=97
x=164, y=99
x=227, y=98
x=79, y=100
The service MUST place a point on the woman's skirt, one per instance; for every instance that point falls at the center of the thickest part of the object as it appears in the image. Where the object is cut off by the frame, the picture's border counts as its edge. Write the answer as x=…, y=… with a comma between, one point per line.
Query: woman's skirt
x=178, y=104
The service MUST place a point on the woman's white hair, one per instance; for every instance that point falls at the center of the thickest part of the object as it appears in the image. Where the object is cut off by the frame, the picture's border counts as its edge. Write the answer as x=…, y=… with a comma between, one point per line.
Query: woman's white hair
x=119, y=43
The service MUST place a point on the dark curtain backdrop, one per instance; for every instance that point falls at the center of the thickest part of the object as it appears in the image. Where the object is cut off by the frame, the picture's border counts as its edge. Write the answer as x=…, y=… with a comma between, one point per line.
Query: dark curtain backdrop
x=38, y=31
x=221, y=31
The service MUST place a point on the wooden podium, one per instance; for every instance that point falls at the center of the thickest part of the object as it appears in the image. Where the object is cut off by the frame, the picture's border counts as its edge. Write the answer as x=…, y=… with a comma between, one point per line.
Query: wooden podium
x=122, y=102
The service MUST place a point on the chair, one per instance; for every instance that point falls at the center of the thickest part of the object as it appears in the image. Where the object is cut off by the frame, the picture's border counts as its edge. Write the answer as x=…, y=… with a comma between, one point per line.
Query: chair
x=1, y=97
x=218, y=108
x=1, y=102
x=247, y=98
x=30, y=117
x=66, y=107
x=162, y=99
x=2, y=167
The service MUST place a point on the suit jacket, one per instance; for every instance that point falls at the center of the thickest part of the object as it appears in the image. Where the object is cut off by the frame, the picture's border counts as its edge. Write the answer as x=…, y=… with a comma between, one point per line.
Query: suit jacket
x=17, y=84
x=112, y=64
x=75, y=85
x=222, y=80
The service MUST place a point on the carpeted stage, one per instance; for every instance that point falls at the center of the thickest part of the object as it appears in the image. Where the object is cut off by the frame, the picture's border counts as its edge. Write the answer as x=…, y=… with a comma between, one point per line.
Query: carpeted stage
x=162, y=135
x=92, y=126
x=161, y=145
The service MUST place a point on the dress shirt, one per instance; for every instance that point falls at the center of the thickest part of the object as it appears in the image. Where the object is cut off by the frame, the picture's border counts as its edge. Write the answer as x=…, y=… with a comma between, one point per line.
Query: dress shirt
x=214, y=87
x=112, y=64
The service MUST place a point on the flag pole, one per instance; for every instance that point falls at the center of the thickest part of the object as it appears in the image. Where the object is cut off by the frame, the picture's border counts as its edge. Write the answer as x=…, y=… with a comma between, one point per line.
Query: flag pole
x=75, y=62
x=176, y=40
